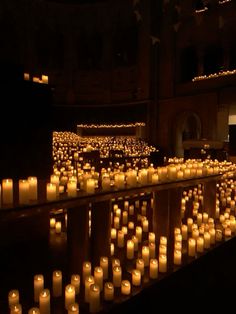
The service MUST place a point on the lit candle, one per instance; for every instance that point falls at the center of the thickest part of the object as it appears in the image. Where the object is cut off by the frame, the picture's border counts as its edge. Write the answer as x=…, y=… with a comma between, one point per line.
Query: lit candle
x=184, y=230
x=69, y=295
x=117, y=275
x=90, y=185
x=138, y=233
x=55, y=180
x=218, y=235
x=75, y=281
x=98, y=277
x=72, y=188
x=112, y=249
x=145, y=225
x=38, y=286
x=162, y=263
x=120, y=239
x=145, y=255
x=153, y=268
x=140, y=265
x=125, y=217
x=152, y=250
x=7, y=191
x=104, y=265
x=136, y=277
x=130, y=249
x=151, y=237
x=86, y=269
x=113, y=233
x=51, y=191
x=191, y=247
x=125, y=287
x=130, y=225
x=163, y=240
x=131, y=210
x=52, y=222
x=213, y=235
x=177, y=257
x=13, y=297
x=89, y=280
x=94, y=298
x=58, y=226
x=16, y=309
x=57, y=283
x=33, y=188
x=207, y=240
x=200, y=244
x=44, y=79
x=117, y=222
x=108, y=291
x=34, y=310
x=44, y=301
x=162, y=249
x=190, y=224
x=73, y=308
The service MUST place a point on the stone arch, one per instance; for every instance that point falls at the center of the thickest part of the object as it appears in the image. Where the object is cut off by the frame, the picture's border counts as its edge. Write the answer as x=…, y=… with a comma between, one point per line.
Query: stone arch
x=187, y=126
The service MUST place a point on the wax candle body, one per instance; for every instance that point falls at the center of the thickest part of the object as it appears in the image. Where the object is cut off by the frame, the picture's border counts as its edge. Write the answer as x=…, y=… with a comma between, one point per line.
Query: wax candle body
x=16, y=309
x=69, y=295
x=117, y=275
x=38, y=286
x=104, y=265
x=94, y=298
x=125, y=287
x=73, y=308
x=75, y=281
x=57, y=283
x=44, y=302
x=13, y=297
x=136, y=277
x=7, y=191
x=153, y=270
x=108, y=291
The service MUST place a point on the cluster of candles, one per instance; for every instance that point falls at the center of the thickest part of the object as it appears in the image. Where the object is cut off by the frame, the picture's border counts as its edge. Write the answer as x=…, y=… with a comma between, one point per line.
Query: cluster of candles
x=213, y=75
x=43, y=79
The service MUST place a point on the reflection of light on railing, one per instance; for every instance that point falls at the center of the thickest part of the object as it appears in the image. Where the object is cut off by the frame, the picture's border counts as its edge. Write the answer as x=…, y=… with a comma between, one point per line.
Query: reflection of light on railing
x=100, y=126
x=201, y=10
x=224, y=1
x=214, y=75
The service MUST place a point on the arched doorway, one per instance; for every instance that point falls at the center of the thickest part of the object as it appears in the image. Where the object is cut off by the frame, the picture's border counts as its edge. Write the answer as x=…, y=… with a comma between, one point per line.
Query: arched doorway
x=187, y=126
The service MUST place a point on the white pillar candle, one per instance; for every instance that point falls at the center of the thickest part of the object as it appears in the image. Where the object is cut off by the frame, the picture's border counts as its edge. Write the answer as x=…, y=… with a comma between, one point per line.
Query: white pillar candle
x=16, y=309
x=117, y=222
x=98, y=277
x=112, y=249
x=38, y=286
x=140, y=265
x=89, y=280
x=184, y=231
x=33, y=188
x=177, y=257
x=104, y=265
x=56, y=181
x=7, y=191
x=120, y=239
x=155, y=178
x=117, y=275
x=131, y=225
x=131, y=210
x=205, y=217
x=13, y=297
x=199, y=219
x=191, y=247
x=163, y=240
x=190, y=224
x=218, y=235
x=75, y=281
x=90, y=185
x=113, y=233
x=57, y=283
x=51, y=191
x=200, y=244
x=72, y=188
x=86, y=269
x=227, y=232
x=115, y=262
x=151, y=237
x=34, y=310
x=125, y=217
x=136, y=277
x=143, y=176
x=145, y=255
x=125, y=287
x=52, y=223
x=69, y=295
x=130, y=249
x=195, y=233
x=145, y=225
x=152, y=250
x=94, y=298
x=162, y=263
x=207, y=240
x=44, y=302
x=153, y=268
x=119, y=180
x=125, y=230
x=58, y=226
x=162, y=249
x=108, y=291
x=106, y=182
x=73, y=308
x=212, y=232
x=138, y=233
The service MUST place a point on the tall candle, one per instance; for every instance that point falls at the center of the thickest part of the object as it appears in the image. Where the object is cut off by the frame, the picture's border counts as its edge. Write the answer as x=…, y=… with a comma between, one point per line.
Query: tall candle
x=177, y=257
x=153, y=268
x=104, y=265
x=108, y=291
x=13, y=297
x=136, y=277
x=130, y=249
x=151, y=237
x=125, y=287
x=140, y=265
x=135, y=240
x=117, y=275
x=152, y=250
x=138, y=233
x=145, y=255
x=94, y=298
x=163, y=240
x=191, y=247
x=207, y=240
x=38, y=286
x=200, y=244
x=162, y=263
x=57, y=283
x=33, y=188
x=51, y=191
x=44, y=302
x=89, y=280
x=73, y=308
x=120, y=239
x=16, y=309
x=7, y=191
x=69, y=295
x=75, y=281
x=90, y=185
x=184, y=230
x=112, y=249
x=72, y=188
x=98, y=277
x=86, y=269
x=125, y=217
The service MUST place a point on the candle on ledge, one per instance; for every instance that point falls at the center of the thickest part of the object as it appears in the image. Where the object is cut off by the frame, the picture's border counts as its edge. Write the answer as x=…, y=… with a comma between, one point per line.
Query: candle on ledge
x=73, y=308
x=162, y=263
x=184, y=231
x=72, y=188
x=86, y=269
x=33, y=188
x=75, y=281
x=34, y=310
x=152, y=249
x=51, y=191
x=136, y=277
x=13, y=297
x=125, y=287
x=7, y=191
x=218, y=235
x=104, y=265
x=69, y=295
x=151, y=237
x=108, y=291
x=57, y=283
x=44, y=301
x=200, y=244
x=140, y=265
x=120, y=239
x=145, y=255
x=130, y=249
x=16, y=309
x=38, y=286
x=117, y=275
x=191, y=247
x=98, y=277
x=177, y=257
x=55, y=180
x=112, y=249
x=94, y=298
x=207, y=240
x=153, y=268
x=138, y=233
x=89, y=280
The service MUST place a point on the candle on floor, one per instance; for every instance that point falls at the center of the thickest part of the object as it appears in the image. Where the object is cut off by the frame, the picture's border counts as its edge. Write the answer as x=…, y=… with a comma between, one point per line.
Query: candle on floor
x=7, y=191
x=75, y=281
x=69, y=295
x=177, y=257
x=73, y=308
x=13, y=297
x=94, y=298
x=135, y=240
x=98, y=277
x=38, y=286
x=104, y=265
x=162, y=263
x=136, y=277
x=16, y=309
x=57, y=283
x=108, y=291
x=153, y=268
x=33, y=188
x=130, y=249
x=117, y=276
x=89, y=280
x=44, y=301
x=86, y=269
x=34, y=310
x=125, y=287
